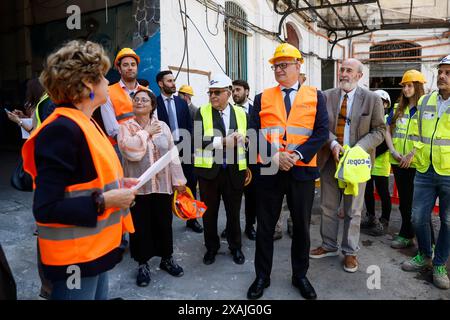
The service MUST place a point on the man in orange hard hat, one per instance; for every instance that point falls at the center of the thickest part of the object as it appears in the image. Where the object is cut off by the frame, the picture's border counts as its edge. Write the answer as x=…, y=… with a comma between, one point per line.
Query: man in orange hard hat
x=119, y=107
x=293, y=120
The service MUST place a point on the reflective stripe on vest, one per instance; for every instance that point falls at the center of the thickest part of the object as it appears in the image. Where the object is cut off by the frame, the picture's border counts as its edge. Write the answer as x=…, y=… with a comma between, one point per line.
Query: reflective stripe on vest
x=121, y=101
x=297, y=128
x=434, y=134
x=61, y=244
x=204, y=158
x=381, y=166
x=38, y=118
x=402, y=140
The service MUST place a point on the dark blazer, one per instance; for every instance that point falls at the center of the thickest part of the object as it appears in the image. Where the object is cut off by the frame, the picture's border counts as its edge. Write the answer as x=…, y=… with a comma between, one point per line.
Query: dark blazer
x=237, y=177
x=310, y=148
x=183, y=116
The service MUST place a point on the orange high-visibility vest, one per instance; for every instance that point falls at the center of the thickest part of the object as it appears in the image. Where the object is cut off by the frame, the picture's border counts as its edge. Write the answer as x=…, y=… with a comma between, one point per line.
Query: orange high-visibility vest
x=297, y=128
x=61, y=244
x=121, y=100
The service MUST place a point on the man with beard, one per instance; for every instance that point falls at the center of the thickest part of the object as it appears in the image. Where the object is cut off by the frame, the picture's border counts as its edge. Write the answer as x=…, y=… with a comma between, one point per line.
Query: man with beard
x=240, y=93
x=174, y=111
x=119, y=107
x=356, y=117
x=432, y=148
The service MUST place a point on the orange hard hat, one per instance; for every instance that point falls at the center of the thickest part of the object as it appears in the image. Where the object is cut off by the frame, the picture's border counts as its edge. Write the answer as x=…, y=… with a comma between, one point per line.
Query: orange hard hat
x=185, y=207
x=126, y=52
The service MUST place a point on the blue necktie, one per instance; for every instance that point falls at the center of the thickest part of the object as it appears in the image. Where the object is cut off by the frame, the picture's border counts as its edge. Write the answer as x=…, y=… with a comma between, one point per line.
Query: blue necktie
x=287, y=100
x=224, y=163
x=172, y=119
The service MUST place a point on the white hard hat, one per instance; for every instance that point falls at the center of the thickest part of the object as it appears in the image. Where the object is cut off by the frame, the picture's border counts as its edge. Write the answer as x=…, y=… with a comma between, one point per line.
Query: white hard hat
x=383, y=95
x=445, y=60
x=220, y=80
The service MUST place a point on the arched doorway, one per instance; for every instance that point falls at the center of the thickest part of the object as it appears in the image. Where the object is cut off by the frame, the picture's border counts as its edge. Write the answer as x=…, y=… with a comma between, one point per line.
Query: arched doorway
x=389, y=60
x=292, y=36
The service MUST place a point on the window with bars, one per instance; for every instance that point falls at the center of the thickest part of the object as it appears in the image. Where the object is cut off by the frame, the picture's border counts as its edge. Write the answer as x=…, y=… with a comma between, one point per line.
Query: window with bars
x=236, y=41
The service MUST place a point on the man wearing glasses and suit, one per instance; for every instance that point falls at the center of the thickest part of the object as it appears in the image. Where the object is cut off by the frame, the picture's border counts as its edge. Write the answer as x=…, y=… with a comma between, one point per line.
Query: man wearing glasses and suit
x=356, y=117
x=174, y=111
x=292, y=122
x=220, y=165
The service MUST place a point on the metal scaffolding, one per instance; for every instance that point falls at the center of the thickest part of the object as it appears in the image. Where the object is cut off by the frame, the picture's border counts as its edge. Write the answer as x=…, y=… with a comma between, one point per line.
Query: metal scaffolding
x=345, y=19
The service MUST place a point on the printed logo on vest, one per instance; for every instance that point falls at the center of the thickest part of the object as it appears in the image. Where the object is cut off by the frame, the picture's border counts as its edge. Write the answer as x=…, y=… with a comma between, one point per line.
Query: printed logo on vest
x=357, y=162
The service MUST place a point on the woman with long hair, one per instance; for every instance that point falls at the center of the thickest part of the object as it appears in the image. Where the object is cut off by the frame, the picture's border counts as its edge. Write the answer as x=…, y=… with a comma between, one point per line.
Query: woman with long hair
x=400, y=144
x=33, y=95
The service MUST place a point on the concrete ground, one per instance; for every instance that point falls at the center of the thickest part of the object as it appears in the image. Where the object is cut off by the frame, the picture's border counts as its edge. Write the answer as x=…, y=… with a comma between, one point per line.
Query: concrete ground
x=223, y=279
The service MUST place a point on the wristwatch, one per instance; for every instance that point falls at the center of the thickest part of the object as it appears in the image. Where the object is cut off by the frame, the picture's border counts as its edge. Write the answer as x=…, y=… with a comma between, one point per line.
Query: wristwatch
x=20, y=123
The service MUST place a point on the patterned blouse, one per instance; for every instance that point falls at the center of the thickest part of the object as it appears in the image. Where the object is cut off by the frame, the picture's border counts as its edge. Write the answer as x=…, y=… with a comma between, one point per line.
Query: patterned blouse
x=140, y=151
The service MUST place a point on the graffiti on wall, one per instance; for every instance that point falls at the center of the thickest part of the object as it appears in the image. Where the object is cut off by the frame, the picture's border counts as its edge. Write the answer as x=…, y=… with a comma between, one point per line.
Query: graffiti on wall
x=147, y=39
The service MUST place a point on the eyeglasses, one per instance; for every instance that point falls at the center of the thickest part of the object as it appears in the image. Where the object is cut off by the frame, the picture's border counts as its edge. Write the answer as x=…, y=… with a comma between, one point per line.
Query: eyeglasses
x=282, y=66
x=143, y=100
x=215, y=92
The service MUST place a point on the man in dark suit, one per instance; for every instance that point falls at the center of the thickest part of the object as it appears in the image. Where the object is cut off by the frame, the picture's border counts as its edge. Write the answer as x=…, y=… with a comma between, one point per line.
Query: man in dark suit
x=221, y=164
x=292, y=123
x=241, y=92
x=175, y=113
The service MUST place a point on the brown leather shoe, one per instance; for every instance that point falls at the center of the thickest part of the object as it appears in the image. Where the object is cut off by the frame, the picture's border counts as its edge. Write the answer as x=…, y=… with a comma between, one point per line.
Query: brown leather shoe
x=350, y=263
x=320, y=252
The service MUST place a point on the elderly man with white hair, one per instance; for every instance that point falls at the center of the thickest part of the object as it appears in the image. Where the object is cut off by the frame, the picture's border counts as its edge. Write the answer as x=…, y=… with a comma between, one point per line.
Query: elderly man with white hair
x=221, y=165
x=355, y=117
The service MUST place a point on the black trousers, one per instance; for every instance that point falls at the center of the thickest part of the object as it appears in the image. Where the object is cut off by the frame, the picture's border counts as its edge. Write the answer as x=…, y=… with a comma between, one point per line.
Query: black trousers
x=152, y=219
x=404, y=179
x=382, y=185
x=210, y=193
x=188, y=171
x=250, y=200
x=300, y=196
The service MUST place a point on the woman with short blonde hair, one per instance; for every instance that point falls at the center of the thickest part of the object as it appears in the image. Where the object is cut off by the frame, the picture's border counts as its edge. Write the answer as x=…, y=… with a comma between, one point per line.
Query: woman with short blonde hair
x=81, y=200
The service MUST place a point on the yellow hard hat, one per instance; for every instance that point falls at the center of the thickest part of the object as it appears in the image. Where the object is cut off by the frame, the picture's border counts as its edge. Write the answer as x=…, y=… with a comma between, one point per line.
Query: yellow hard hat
x=286, y=50
x=413, y=76
x=126, y=52
x=186, y=89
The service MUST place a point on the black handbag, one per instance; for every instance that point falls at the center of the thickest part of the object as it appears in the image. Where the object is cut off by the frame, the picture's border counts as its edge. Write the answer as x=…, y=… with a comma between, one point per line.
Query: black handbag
x=21, y=180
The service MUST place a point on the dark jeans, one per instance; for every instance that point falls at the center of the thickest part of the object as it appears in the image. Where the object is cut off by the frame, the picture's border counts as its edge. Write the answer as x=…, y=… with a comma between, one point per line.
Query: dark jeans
x=91, y=288
x=46, y=284
x=300, y=196
x=382, y=185
x=428, y=187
